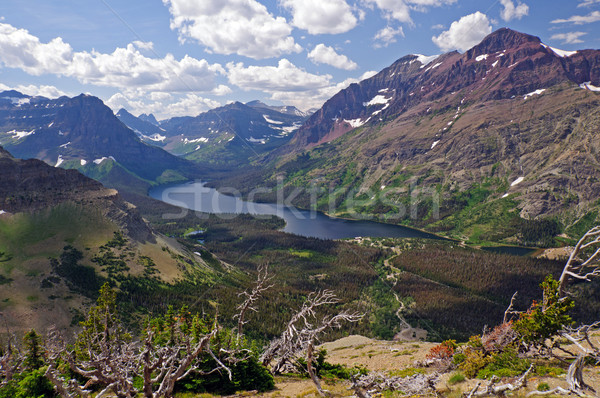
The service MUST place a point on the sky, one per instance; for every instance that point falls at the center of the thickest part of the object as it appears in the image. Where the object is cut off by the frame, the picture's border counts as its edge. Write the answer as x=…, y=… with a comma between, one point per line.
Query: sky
x=184, y=57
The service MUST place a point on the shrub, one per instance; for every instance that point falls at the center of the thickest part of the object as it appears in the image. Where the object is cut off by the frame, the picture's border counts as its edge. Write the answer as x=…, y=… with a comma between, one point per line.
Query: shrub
x=475, y=360
x=442, y=351
x=505, y=363
x=543, y=387
x=456, y=378
x=543, y=320
x=500, y=337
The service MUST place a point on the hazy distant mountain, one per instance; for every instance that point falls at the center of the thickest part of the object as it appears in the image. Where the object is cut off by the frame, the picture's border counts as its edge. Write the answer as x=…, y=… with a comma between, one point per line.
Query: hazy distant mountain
x=83, y=133
x=149, y=118
x=146, y=130
x=285, y=109
x=231, y=134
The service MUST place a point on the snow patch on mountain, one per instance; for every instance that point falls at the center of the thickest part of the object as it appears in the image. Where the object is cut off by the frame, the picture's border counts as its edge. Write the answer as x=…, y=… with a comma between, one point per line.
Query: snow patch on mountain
x=103, y=158
x=201, y=139
x=257, y=140
x=589, y=86
x=21, y=134
x=481, y=57
x=424, y=59
x=355, y=122
x=433, y=67
x=271, y=120
x=377, y=100
x=560, y=53
x=517, y=181
x=59, y=161
x=536, y=92
x=83, y=162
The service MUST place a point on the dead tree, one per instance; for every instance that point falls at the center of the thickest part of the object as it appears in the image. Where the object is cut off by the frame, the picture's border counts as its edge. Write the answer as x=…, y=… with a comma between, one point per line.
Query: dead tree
x=583, y=264
x=368, y=385
x=11, y=359
x=495, y=389
x=301, y=335
x=262, y=284
x=115, y=364
x=577, y=268
x=104, y=355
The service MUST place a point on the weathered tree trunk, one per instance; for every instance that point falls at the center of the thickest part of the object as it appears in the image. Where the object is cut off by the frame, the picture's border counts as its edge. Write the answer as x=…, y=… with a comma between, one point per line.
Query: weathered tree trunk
x=309, y=366
x=575, y=375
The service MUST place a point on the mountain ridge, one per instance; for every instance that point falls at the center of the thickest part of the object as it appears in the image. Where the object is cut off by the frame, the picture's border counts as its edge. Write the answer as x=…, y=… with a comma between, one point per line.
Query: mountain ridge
x=516, y=54
x=469, y=145
x=83, y=133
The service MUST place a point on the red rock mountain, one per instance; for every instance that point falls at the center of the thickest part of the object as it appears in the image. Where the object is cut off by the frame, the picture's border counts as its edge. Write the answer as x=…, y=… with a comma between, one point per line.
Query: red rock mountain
x=504, y=65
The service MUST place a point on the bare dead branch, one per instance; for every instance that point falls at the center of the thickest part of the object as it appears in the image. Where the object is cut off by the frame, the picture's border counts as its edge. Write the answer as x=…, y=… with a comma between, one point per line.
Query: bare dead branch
x=262, y=284
x=495, y=389
x=510, y=310
x=582, y=269
x=418, y=384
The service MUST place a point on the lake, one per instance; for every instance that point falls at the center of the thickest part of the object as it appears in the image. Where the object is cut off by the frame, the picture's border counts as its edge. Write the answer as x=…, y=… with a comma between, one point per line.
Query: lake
x=196, y=196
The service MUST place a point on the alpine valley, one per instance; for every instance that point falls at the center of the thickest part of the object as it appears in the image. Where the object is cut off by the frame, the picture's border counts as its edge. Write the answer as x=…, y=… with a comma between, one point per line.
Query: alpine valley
x=475, y=143
x=498, y=146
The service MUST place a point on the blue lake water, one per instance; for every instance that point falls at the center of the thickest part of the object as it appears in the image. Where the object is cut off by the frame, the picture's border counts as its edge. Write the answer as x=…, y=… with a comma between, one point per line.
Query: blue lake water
x=196, y=196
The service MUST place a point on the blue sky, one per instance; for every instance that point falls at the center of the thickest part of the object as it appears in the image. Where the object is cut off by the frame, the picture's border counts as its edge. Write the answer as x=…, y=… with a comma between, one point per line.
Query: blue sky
x=183, y=57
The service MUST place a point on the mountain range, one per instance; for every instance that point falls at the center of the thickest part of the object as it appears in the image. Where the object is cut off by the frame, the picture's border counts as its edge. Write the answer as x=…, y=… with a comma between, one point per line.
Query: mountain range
x=83, y=133
x=228, y=136
x=506, y=131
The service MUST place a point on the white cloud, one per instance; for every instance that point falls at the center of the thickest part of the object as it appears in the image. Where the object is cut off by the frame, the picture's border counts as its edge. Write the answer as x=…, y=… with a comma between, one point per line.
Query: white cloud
x=19, y=49
x=323, y=54
x=393, y=9
x=511, y=11
x=243, y=27
x=283, y=77
x=587, y=3
x=387, y=36
x=32, y=90
x=318, y=16
x=438, y=26
x=125, y=68
x=222, y=90
x=128, y=68
x=161, y=105
x=593, y=16
x=288, y=83
x=464, y=33
x=400, y=9
x=569, y=37
x=143, y=45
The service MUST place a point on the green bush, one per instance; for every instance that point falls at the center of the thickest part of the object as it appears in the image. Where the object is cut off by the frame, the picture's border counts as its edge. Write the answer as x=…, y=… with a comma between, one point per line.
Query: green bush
x=543, y=320
x=504, y=364
x=248, y=374
x=456, y=378
x=543, y=387
x=327, y=370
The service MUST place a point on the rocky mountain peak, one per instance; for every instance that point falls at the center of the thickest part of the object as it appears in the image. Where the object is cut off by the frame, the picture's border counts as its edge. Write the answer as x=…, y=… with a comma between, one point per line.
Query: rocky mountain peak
x=503, y=39
x=505, y=65
x=150, y=118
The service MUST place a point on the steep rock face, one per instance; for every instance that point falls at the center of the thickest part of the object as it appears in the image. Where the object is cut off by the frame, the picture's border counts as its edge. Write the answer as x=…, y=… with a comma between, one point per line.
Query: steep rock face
x=505, y=64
